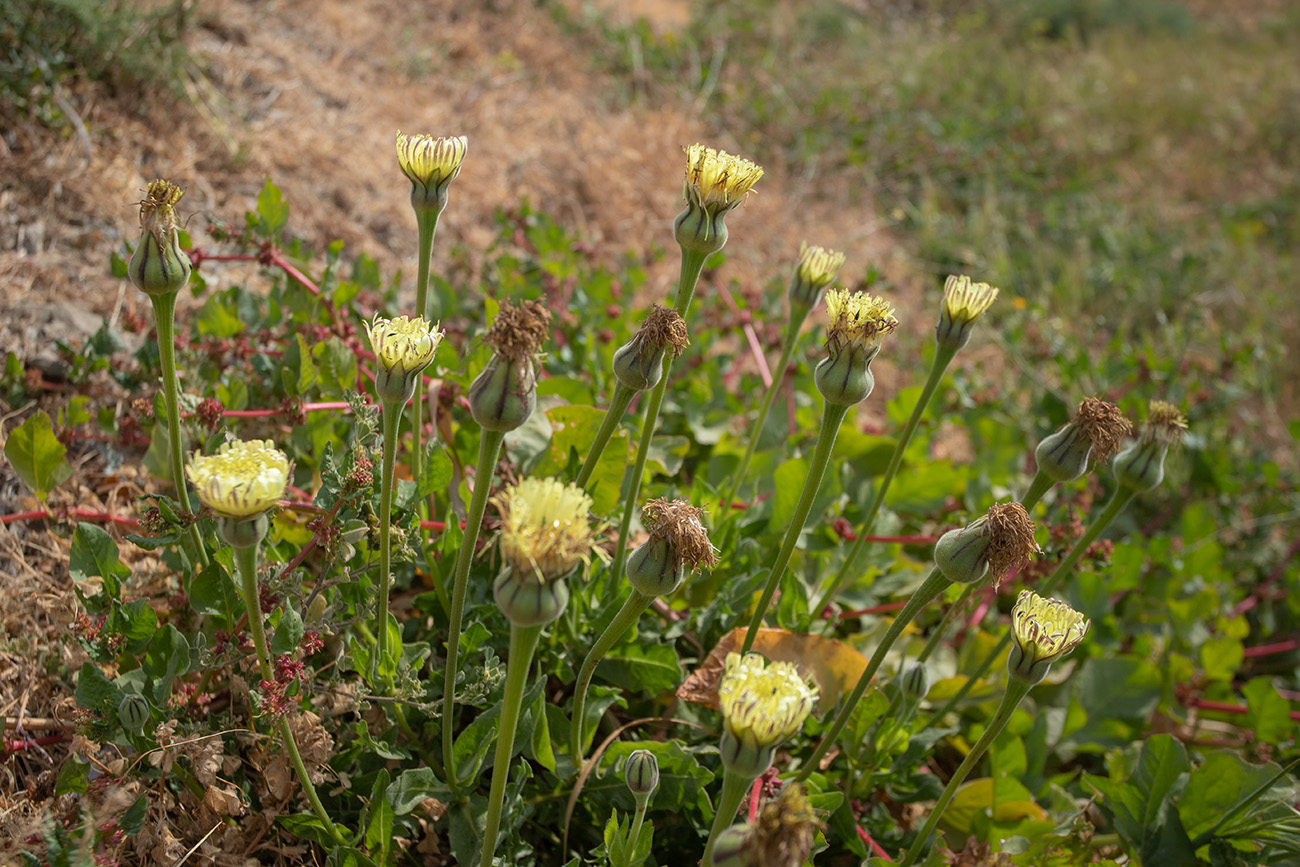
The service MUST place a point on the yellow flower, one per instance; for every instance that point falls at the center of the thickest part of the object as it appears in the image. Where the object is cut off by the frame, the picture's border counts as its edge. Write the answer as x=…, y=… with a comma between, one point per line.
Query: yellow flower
x=964, y=301
x=404, y=347
x=242, y=480
x=763, y=704
x=430, y=161
x=717, y=181
x=545, y=528
x=858, y=320
x=816, y=269
x=1044, y=630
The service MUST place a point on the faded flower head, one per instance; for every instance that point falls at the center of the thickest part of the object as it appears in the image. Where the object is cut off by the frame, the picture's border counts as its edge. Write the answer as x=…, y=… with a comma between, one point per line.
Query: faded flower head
x=503, y=396
x=1141, y=466
x=1104, y=425
x=519, y=330
x=158, y=210
x=783, y=832
x=1165, y=423
x=639, y=363
x=678, y=523
x=763, y=703
x=858, y=320
x=158, y=265
x=1044, y=630
x=993, y=544
x=545, y=528
x=242, y=480
x=1096, y=431
x=717, y=181
x=816, y=269
x=963, y=303
x=430, y=161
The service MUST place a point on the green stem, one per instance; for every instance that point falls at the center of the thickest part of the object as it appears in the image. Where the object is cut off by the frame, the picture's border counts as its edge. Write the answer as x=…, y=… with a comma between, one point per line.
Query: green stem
x=933, y=585
x=832, y=415
x=523, y=642
x=164, y=312
x=627, y=615
x=489, y=446
x=692, y=264
x=618, y=404
x=778, y=377
x=426, y=225
x=246, y=560
x=1038, y=488
x=734, y=787
x=942, y=358
x=937, y=636
x=391, y=414
x=1016, y=691
x=637, y=822
x=1121, y=498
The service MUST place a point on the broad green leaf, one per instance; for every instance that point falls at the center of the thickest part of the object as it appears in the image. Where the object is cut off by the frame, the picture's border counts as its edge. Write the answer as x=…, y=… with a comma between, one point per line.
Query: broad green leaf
x=168, y=656
x=1221, y=784
x=216, y=319
x=682, y=779
x=643, y=666
x=1221, y=657
x=96, y=692
x=413, y=786
x=137, y=622
x=272, y=210
x=1270, y=713
x=298, y=374
x=95, y=554
x=37, y=456
x=378, y=823
x=213, y=592
x=288, y=632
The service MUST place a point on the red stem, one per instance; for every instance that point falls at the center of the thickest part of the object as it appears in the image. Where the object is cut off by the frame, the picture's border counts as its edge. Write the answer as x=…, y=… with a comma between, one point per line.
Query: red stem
x=1270, y=649
x=875, y=847
x=754, y=793
x=875, y=609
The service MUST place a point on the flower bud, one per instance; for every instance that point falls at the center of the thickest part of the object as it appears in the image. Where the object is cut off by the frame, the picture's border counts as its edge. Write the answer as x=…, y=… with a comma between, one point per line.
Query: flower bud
x=716, y=182
x=678, y=543
x=504, y=395
x=732, y=848
x=816, y=269
x=403, y=347
x=1141, y=466
x=964, y=302
x=641, y=773
x=1044, y=630
x=526, y=601
x=431, y=164
x=639, y=363
x=1097, y=429
x=859, y=322
x=995, y=543
x=133, y=712
x=915, y=683
x=159, y=266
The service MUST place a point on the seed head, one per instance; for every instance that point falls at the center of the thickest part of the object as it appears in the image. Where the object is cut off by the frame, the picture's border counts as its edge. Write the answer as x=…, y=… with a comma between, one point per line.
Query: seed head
x=1165, y=423
x=784, y=830
x=519, y=331
x=678, y=523
x=242, y=480
x=993, y=544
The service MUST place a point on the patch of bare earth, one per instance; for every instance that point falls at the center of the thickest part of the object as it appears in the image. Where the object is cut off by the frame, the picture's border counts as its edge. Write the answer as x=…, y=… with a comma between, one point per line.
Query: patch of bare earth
x=310, y=94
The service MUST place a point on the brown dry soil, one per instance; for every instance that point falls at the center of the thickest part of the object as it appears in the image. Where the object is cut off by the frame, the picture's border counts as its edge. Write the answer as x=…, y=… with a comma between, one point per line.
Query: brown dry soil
x=310, y=94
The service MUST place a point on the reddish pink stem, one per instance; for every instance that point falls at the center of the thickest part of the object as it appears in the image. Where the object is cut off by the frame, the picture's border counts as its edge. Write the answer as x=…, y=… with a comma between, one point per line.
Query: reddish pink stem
x=1270, y=649
x=755, y=348
x=875, y=847
x=64, y=514
x=267, y=413
x=755, y=791
x=1225, y=707
x=15, y=746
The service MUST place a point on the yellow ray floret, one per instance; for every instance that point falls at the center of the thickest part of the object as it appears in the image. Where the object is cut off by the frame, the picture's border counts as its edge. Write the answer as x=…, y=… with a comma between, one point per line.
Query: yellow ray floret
x=818, y=266
x=1044, y=629
x=965, y=301
x=429, y=160
x=763, y=704
x=716, y=180
x=858, y=318
x=545, y=527
x=242, y=480
x=404, y=345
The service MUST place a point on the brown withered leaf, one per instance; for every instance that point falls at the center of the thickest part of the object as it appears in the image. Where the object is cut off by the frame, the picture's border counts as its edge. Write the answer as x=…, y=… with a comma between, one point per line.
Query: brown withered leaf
x=833, y=665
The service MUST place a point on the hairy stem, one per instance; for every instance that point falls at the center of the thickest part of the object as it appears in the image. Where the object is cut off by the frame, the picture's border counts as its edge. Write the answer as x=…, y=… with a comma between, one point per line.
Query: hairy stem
x=391, y=415
x=734, y=787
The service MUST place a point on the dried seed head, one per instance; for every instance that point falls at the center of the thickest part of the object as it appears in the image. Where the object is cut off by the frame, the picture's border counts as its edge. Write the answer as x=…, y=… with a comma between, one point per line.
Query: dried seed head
x=784, y=830
x=992, y=544
x=158, y=266
x=519, y=331
x=1141, y=466
x=639, y=363
x=1165, y=423
x=678, y=523
x=665, y=330
x=1105, y=426
x=158, y=210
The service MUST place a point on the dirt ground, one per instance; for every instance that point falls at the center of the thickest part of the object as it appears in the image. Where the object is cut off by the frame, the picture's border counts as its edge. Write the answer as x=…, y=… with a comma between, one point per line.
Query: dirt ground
x=311, y=94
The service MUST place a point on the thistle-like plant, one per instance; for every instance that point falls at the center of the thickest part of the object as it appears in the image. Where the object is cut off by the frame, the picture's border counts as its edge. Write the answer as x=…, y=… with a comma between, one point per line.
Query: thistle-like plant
x=240, y=483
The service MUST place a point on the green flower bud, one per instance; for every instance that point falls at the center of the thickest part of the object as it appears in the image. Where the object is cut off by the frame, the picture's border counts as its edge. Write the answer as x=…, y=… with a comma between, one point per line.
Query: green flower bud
x=641, y=773
x=639, y=363
x=430, y=164
x=653, y=570
x=816, y=269
x=859, y=322
x=716, y=182
x=1097, y=429
x=1141, y=467
x=159, y=266
x=133, y=712
x=915, y=683
x=745, y=758
x=732, y=848
x=1044, y=630
x=504, y=395
x=526, y=601
x=995, y=543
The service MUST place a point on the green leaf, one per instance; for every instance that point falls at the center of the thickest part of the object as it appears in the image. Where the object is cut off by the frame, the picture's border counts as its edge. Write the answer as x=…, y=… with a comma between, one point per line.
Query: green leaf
x=1117, y=693
x=168, y=656
x=95, y=554
x=298, y=374
x=1142, y=805
x=309, y=827
x=413, y=786
x=288, y=632
x=36, y=455
x=1221, y=657
x=337, y=365
x=133, y=819
x=379, y=818
x=73, y=776
x=790, y=477
x=272, y=210
x=1270, y=713
x=213, y=592
x=216, y=319
x=1219, y=785
x=345, y=856
x=642, y=666
x=136, y=622
x=95, y=692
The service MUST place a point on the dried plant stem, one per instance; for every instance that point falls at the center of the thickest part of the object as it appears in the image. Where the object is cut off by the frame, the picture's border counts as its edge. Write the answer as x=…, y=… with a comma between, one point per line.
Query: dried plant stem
x=164, y=311
x=632, y=609
x=391, y=413
x=832, y=415
x=523, y=642
x=692, y=265
x=489, y=447
x=933, y=585
x=734, y=787
x=942, y=358
x=778, y=378
x=1016, y=692
x=1121, y=498
x=618, y=404
x=246, y=560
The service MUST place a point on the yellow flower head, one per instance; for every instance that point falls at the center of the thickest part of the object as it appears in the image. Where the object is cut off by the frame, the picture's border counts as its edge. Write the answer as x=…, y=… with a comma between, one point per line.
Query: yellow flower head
x=763, y=704
x=242, y=480
x=858, y=320
x=964, y=301
x=818, y=266
x=430, y=161
x=545, y=528
x=716, y=181
x=158, y=210
x=1165, y=423
x=1044, y=630
x=404, y=345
